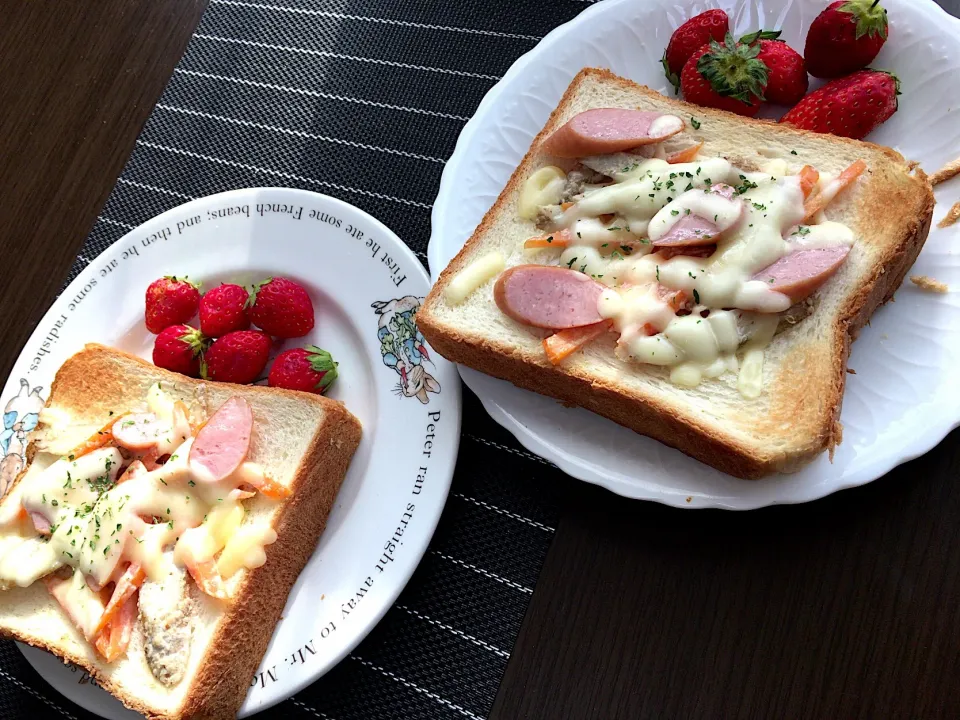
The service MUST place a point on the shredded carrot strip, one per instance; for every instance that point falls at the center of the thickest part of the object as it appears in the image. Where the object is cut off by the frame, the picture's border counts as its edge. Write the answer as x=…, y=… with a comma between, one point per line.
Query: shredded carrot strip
x=674, y=298
x=207, y=577
x=809, y=177
x=561, y=345
x=272, y=489
x=566, y=206
x=553, y=240
x=127, y=585
x=112, y=642
x=546, y=241
x=101, y=437
x=677, y=300
x=102, y=644
x=134, y=469
x=817, y=203
x=150, y=457
x=686, y=155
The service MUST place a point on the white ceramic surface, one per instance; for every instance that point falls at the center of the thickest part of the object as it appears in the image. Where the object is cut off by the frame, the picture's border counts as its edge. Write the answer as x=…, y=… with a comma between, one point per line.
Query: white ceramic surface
x=364, y=282
x=903, y=399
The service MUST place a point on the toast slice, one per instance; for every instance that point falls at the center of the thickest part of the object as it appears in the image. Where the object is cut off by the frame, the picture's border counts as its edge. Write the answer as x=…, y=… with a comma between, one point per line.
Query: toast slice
x=302, y=441
x=796, y=417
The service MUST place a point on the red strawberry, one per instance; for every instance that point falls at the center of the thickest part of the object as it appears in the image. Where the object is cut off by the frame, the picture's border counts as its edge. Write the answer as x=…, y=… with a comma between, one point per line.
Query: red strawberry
x=309, y=369
x=238, y=357
x=690, y=37
x=179, y=348
x=788, y=81
x=170, y=301
x=727, y=76
x=281, y=308
x=845, y=37
x=850, y=107
x=224, y=309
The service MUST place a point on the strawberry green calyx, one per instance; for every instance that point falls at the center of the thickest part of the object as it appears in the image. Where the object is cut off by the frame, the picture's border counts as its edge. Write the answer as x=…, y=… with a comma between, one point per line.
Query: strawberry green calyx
x=896, y=81
x=322, y=362
x=760, y=35
x=733, y=70
x=195, y=340
x=871, y=18
x=673, y=77
x=254, y=289
x=184, y=279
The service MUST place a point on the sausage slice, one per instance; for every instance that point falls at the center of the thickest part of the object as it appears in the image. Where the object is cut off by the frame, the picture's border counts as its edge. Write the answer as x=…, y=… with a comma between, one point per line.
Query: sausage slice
x=693, y=229
x=548, y=297
x=222, y=444
x=602, y=131
x=802, y=272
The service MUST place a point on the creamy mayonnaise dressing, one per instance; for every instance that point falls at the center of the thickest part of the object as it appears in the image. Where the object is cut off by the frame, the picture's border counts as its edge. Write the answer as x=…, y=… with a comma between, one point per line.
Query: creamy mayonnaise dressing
x=643, y=189
x=611, y=232
x=544, y=187
x=719, y=210
x=96, y=525
x=665, y=125
x=724, y=280
x=473, y=276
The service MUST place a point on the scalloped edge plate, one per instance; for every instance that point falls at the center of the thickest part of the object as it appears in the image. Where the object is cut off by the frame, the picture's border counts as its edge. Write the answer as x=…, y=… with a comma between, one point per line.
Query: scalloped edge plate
x=901, y=403
x=362, y=279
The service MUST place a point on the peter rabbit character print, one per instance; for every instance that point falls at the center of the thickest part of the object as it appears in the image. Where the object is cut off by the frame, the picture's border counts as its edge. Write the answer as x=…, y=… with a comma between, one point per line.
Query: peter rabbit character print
x=403, y=348
x=20, y=416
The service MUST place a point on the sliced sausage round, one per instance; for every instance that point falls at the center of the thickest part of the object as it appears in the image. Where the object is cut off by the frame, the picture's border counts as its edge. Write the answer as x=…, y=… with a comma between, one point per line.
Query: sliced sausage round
x=602, y=131
x=548, y=297
x=802, y=272
x=725, y=191
x=139, y=431
x=700, y=251
x=693, y=228
x=690, y=230
x=222, y=444
x=41, y=524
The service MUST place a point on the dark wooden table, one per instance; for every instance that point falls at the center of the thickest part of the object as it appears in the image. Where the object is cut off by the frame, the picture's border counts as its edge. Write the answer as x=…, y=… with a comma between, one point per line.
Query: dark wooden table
x=846, y=607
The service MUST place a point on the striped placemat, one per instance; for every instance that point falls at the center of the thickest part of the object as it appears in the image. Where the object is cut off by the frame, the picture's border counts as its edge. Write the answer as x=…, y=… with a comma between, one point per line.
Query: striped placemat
x=362, y=100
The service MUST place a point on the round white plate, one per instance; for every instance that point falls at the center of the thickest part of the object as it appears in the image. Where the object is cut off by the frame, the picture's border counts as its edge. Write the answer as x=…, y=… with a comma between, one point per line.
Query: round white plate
x=903, y=399
x=363, y=281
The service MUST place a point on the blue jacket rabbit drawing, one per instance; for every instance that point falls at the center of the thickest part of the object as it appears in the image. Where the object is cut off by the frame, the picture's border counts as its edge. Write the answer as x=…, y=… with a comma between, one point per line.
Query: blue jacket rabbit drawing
x=403, y=348
x=20, y=416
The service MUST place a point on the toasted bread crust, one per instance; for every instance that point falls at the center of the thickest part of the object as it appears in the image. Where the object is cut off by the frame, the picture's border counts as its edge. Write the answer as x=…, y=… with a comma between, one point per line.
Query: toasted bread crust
x=814, y=411
x=242, y=639
x=220, y=685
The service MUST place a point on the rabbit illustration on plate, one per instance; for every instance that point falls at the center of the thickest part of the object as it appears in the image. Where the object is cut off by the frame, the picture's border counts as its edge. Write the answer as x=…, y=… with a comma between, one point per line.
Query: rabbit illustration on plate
x=403, y=348
x=20, y=416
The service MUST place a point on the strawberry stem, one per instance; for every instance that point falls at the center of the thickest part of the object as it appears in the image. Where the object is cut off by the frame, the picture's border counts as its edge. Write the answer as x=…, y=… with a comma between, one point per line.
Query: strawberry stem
x=254, y=289
x=734, y=70
x=751, y=38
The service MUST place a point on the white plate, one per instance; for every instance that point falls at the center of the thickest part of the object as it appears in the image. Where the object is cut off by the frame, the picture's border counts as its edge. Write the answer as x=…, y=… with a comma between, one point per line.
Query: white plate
x=903, y=399
x=360, y=277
